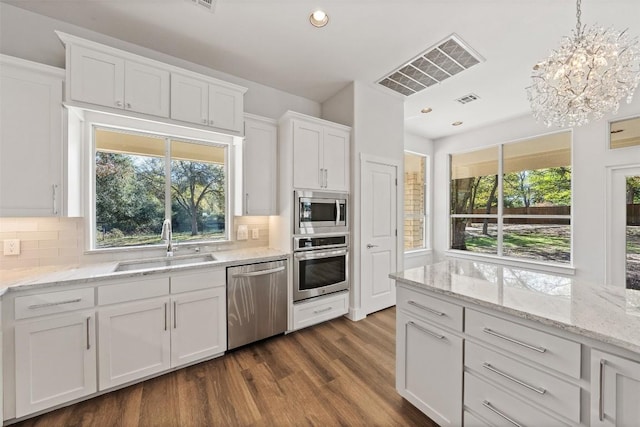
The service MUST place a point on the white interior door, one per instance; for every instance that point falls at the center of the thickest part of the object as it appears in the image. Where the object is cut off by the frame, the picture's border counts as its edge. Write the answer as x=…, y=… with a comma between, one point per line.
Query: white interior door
x=378, y=249
x=617, y=262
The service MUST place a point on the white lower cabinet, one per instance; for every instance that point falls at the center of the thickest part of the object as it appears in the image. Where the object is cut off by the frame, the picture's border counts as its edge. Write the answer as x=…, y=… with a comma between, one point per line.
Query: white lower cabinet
x=198, y=326
x=615, y=390
x=135, y=341
x=55, y=361
x=429, y=369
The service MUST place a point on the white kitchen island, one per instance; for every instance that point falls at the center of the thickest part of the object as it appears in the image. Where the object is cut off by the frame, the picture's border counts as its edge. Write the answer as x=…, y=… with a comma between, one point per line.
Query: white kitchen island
x=482, y=344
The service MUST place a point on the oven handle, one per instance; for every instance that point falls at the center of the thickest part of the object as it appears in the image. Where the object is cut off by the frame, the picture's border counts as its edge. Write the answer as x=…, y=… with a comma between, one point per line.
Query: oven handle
x=319, y=254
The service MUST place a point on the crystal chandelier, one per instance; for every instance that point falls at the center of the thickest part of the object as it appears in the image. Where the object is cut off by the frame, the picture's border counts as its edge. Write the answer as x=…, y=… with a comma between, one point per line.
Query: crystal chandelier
x=586, y=77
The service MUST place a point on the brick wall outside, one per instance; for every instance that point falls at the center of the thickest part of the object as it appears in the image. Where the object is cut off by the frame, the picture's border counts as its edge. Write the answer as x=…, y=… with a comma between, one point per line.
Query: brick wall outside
x=413, y=205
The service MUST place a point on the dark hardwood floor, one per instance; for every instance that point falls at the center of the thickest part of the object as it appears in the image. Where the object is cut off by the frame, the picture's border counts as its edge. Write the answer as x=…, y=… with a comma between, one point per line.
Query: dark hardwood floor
x=339, y=373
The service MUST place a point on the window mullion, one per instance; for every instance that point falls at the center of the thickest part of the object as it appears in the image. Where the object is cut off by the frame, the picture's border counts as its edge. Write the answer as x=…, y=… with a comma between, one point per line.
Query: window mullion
x=167, y=178
x=500, y=219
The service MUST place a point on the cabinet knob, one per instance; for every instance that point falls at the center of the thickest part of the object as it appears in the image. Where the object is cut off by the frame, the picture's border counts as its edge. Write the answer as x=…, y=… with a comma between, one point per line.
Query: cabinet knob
x=211, y=122
x=119, y=103
x=128, y=105
x=204, y=121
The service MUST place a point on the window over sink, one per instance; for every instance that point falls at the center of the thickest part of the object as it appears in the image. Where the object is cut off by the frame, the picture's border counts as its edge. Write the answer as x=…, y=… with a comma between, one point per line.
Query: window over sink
x=141, y=178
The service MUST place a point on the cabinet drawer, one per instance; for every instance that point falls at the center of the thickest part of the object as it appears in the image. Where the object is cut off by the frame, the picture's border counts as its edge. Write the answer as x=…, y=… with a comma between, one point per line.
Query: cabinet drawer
x=500, y=408
x=318, y=310
x=470, y=420
x=430, y=308
x=548, y=350
x=53, y=303
x=134, y=290
x=532, y=384
x=196, y=281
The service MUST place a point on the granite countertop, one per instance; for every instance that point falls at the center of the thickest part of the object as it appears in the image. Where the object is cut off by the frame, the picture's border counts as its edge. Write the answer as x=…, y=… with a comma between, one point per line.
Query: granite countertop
x=604, y=313
x=52, y=276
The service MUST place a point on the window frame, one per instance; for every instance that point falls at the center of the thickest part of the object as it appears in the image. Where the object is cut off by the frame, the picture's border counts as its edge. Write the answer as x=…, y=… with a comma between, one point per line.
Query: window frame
x=98, y=120
x=427, y=204
x=558, y=267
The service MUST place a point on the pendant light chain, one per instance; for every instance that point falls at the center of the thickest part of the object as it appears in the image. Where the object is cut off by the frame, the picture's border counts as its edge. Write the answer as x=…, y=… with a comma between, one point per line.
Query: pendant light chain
x=578, y=15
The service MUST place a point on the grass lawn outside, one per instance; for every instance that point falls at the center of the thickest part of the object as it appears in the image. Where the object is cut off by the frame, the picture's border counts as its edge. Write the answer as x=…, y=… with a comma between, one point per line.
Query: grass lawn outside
x=114, y=240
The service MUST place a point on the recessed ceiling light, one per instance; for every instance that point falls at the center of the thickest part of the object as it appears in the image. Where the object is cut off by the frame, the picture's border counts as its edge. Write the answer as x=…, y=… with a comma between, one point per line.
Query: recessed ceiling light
x=426, y=110
x=319, y=18
x=456, y=123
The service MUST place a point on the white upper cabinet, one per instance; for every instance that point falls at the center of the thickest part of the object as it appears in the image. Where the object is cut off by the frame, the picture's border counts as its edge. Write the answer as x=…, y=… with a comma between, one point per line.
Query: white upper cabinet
x=258, y=165
x=100, y=78
x=31, y=114
x=320, y=155
x=201, y=101
x=116, y=79
x=146, y=89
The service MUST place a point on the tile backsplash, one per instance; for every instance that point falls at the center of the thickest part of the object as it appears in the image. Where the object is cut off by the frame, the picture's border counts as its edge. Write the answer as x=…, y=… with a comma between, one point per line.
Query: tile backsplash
x=58, y=241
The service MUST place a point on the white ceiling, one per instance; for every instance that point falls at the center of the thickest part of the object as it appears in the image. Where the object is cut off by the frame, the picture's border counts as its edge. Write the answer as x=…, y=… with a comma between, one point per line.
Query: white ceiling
x=272, y=42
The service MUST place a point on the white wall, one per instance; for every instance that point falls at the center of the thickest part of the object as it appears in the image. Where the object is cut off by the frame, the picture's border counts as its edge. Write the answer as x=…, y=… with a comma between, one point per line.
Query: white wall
x=421, y=145
x=377, y=120
x=31, y=36
x=591, y=157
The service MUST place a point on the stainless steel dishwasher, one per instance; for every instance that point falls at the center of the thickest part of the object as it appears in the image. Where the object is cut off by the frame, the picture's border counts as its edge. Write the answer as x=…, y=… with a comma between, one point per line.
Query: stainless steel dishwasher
x=256, y=302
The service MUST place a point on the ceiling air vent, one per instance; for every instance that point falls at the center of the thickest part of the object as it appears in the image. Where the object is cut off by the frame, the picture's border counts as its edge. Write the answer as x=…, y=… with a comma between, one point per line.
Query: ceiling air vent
x=209, y=4
x=447, y=58
x=468, y=98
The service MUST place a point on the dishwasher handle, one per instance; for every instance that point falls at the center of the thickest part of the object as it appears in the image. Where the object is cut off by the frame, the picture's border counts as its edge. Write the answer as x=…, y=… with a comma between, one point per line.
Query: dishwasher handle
x=259, y=273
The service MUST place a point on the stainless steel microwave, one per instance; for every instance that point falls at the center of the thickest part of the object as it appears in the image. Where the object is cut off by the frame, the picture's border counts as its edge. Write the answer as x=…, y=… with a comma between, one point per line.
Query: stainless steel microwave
x=320, y=212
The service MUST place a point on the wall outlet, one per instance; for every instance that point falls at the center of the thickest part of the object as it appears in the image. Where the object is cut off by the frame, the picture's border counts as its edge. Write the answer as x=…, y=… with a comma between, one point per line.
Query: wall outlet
x=255, y=234
x=243, y=232
x=12, y=247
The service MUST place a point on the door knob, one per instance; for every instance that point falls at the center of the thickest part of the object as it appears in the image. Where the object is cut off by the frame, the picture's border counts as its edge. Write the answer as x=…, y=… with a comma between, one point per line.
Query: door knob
x=369, y=246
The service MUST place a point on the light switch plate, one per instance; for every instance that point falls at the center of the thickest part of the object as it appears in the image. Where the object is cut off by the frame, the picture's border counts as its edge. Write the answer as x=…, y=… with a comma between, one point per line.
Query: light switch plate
x=243, y=232
x=255, y=234
x=12, y=247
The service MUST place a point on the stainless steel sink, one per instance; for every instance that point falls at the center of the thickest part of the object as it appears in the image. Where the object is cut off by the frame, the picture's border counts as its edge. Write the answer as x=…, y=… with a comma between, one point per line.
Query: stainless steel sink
x=163, y=262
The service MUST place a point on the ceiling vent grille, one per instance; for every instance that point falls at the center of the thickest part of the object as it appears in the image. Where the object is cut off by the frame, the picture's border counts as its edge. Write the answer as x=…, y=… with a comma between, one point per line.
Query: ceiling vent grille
x=209, y=4
x=468, y=98
x=447, y=58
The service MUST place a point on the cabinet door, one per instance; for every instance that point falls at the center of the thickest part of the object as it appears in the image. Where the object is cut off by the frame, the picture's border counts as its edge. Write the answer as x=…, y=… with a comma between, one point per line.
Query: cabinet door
x=225, y=108
x=189, y=99
x=134, y=341
x=307, y=155
x=146, y=89
x=55, y=361
x=615, y=387
x=198, y=325
x=259, y=173
x=30, y=141
x=429, y=369
x=96, y=77
x=335, y=154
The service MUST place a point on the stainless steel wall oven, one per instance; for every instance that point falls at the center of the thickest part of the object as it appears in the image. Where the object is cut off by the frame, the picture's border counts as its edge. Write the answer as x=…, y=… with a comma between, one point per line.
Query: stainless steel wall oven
x=320, y=265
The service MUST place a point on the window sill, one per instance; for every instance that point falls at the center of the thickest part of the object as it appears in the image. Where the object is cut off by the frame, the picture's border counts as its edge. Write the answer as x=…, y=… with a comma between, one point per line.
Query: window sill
x=545, y=267
x=418, y=252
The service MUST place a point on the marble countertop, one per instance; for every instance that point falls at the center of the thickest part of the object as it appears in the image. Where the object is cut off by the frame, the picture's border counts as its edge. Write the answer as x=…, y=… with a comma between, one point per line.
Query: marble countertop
x=607, y=314
x=51, y=276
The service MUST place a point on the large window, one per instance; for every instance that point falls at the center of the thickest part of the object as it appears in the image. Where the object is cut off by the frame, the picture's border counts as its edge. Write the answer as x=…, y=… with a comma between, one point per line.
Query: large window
x=141, y=179
x=514, y=200
x=415, y=202
x=633, y=232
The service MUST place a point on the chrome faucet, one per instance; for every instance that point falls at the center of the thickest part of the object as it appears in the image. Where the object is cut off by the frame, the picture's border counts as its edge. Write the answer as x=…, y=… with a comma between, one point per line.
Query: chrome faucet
x=167, y=234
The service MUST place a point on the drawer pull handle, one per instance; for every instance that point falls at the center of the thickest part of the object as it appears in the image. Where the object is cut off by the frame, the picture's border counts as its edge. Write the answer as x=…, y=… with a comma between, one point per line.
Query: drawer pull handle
x=51, y=304
x=513, y=340
x=426, y=331
x=515, y=380
x=493, y=409
x=324, y=310
x=422, y=307
x=601, y=391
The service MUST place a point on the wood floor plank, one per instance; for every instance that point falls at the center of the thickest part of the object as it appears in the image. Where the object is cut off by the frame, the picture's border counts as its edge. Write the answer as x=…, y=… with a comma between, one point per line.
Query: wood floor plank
x=338, y=373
